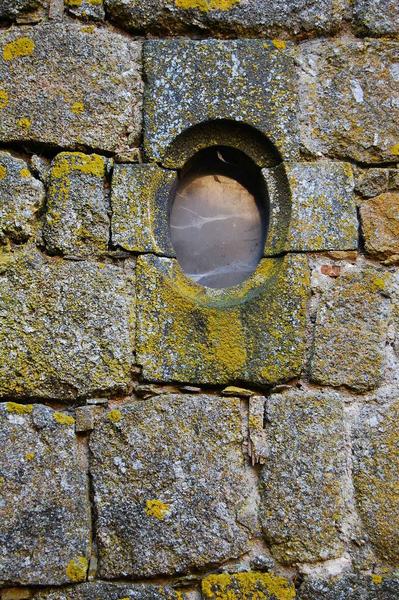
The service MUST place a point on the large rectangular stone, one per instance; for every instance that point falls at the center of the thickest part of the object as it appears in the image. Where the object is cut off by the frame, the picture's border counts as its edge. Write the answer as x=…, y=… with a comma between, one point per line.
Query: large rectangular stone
x=350, y=99
x=351, y=329
x=45, y=521
x=252, y=332
x=69, y=86
x=66, y=327
x=76, y=221
x=244, y=19
x=302, y=480
x=111, y=591
x=171, y=484
x=190, y=82
x=376, y=475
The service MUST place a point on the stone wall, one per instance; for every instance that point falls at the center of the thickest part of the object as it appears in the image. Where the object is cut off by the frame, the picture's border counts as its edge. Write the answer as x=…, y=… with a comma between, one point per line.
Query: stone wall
x=161, y=440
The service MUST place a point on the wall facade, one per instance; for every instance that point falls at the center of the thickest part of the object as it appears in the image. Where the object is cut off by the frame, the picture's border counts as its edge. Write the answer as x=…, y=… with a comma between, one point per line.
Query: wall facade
x=165, y=440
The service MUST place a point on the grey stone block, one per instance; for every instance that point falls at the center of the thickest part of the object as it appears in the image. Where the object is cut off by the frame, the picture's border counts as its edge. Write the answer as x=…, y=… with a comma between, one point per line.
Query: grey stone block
x=45, y=523
x=70, y=86
x=171, y=485
x=305, y=463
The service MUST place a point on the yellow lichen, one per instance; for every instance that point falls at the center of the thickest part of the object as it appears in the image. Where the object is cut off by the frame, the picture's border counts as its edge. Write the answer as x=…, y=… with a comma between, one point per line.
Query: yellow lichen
x=24, y=122
x=157, y=509
x=279, y=44
x=19, y=409
x=73, y=3
x=3, y=171
x=77, y=108
x=2, y=480
x=3, y=99
x=30, y=455
x=63, y=419
x=88, y=29
x=395, y=149
x=247, y=586
x=96, y=2
x=377, y=579
x=114, y=416
x=77, y=568
x=22, y=46
x=66, y=162
x=206, y=5
x=25, y=173
x=227, y=337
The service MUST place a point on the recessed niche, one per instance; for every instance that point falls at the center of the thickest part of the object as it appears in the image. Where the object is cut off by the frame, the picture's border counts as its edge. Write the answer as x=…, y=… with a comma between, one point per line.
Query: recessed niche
x=219, y=216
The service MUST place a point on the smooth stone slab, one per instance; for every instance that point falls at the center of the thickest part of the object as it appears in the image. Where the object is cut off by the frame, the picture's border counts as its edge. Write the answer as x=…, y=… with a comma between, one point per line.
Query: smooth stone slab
x=171, y=485
x=45, y=522
x=66, y=327
x=190, y=82
x=253, y=332
x=68, y=85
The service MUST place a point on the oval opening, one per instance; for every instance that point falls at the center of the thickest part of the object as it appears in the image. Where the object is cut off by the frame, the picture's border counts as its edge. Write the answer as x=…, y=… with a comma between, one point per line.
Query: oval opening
x=218, y=217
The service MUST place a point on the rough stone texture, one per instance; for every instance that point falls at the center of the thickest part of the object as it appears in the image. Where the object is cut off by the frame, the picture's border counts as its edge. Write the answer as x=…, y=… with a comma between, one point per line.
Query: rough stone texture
x=350, y=587
x=44, y=524
x=66, y=327
x=21, y=197
x=306, y=463
x=350, y=99
x=241, y=18
x=377, y=17
x=110, y=591
x=323, y=213
x=90, y=9
x=140, y=200
x=69, y=85
x=371, y=182
x=376, y=476
x=76, y=221
x=351, y=329
x=251, y=332
x=380, y=226
x=189, y=82
x=245, y=586
x=171, y=487
x=10, y=9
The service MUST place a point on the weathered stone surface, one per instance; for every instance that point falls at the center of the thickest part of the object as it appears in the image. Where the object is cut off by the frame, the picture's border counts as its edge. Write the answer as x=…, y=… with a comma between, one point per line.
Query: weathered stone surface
x=377, y=17
x=76, y=220
x=91, y=9
x=251, y=332
x=380, y=226
x=10, y=9
x=350, y=587
x=69, y=86
x=110, y=591
x=323, y=213
x=371, y=182
x=351, y=328
x=66, y=327
x=171, y=486
x=21, y=197
x=350, y=99
x=306, y=462
x=140, y=200
x=241, y=18
x=245, y=586
x=44, y=526
x=189, y=82
x=376, y=475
